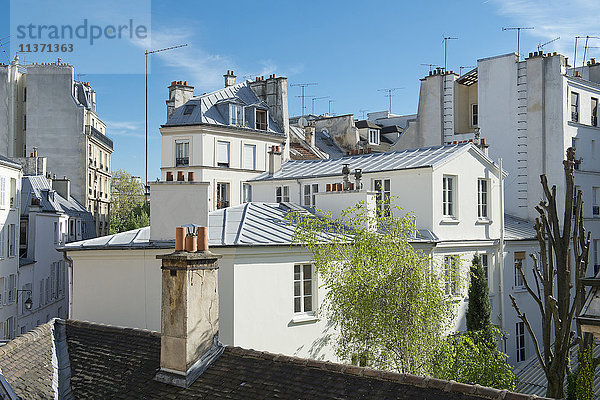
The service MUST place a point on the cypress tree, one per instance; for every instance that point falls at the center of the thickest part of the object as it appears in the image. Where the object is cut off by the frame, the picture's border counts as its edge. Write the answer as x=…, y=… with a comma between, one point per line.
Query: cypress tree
x=479, y=310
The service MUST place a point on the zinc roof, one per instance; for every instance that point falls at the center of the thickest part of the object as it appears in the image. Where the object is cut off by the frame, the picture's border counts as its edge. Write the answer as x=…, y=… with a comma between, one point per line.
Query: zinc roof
x=372, y=162
x=516, y=228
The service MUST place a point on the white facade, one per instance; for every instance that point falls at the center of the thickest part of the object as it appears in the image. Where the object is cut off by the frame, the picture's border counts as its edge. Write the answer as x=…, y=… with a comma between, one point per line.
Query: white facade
x=10, y=192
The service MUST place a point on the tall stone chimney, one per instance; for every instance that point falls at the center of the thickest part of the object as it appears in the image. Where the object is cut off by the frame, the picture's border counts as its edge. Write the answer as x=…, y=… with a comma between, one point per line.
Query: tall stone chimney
x=189, y=310
x=62, y=187
x=179, y=94
x=229, y=78
x=274, y=159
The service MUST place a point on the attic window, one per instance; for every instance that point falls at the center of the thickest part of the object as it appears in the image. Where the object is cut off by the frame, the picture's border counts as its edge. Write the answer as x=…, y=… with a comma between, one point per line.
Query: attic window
x=373, y=136
x=189, y=109
x=236, y=113
x=261, y=120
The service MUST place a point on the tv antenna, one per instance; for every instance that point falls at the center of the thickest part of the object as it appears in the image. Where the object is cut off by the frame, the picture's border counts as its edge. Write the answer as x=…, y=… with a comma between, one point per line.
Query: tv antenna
x=362, y=113
x=390, y=93
x=77, y=76
x=4, y=41
x=446, y=38
x=430, y=66
x=518, y=29
x=313, y=102
x=464, y=67
x=541, y=45
x=329, y=111
x=303, y=86
x=587, y=47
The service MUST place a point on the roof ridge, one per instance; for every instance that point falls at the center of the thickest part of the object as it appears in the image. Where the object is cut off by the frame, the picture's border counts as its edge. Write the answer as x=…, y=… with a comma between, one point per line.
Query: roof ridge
x=110, y=328
x=26, y=338
x=403, y=378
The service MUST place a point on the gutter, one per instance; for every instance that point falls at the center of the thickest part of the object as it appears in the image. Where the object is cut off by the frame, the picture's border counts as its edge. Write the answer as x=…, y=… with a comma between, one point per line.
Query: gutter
x=501, y=253
x=69, y=262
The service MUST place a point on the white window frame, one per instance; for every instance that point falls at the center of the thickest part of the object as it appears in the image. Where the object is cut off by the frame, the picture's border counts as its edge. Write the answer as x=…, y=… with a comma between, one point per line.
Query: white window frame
x=12, y=288
x=596, y=202
x=2, y=191
x=246, y=192
x=520, y=341
x=301, y=299
x=449, y=196
x=219, y=196
x=223, y=154
x=383, y=188
x=474, y=115
x=2, y=247
x=309, y=190
x=13, y=193
x=519, y=257
x=282, y=194
x=483, y=198
x=485, y=264
x=2, y=290
x=249, y=150
x=235, y=118
x=374, y=136
x=182, y=152
x=56, y=233
x=451, y=274
x=12, y=240
x=574, y=99
x=256, y=123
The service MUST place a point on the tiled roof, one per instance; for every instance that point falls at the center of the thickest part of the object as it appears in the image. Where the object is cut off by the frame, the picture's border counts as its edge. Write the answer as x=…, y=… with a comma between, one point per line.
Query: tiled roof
x=206, y=109
x=110, y=362
x=298, y=152
x=374, y=162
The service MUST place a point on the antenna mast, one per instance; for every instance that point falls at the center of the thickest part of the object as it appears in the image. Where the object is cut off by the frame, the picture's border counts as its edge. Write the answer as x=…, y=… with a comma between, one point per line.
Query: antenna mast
x=330, y=101
x=541, y=45
x=362, y=113
x=518, y=29
x=464, y=67
x=317, y=98
x=446, y=38
x=303, y=86
x=390, y=94
x=430, y=66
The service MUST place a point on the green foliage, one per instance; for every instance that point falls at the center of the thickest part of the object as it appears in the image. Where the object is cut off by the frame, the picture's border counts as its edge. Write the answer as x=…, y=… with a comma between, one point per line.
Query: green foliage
x=580, y=383
x=472, y=357
x=480, y=309
x=386, y=301
x=128, y=208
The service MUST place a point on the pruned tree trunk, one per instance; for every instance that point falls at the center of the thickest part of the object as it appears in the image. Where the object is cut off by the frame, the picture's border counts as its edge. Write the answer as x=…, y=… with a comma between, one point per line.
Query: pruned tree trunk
x=554, y=277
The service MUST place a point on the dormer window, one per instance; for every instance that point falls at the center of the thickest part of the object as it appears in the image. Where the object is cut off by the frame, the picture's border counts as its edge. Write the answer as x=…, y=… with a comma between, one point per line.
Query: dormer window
x=188, y=109
x=373, y=136
x=261, y=120
x=236, y=115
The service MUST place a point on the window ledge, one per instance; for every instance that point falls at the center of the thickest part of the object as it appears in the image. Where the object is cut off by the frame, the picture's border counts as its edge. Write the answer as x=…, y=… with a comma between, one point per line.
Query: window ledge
x=449, y=221
x=483, y=221
x=520, y=289
x=303, y=319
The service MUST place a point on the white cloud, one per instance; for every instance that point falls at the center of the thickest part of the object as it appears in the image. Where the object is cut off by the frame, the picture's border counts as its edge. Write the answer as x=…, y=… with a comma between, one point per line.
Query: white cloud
x=552, y=18
x=133, y=129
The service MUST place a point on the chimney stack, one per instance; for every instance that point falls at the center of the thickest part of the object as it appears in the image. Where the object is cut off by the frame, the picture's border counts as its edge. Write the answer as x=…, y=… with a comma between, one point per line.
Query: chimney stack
x=274, y=159
x=189, y=312
x=229, y=78
x=179, y=94
x=62, y=187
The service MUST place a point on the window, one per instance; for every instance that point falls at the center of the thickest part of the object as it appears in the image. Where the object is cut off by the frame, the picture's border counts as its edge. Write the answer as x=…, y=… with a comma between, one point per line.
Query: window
x=474, y=115
x=246, y=193
x=222, y=195
x=2, y=254
x=56, y=233
x=303, y=288
x=41, y=292
x=12, y=288
x=47, y=291
x=519, y=262
x=482, y=198
x=485, y=265
x=448, y=196
x=23, y=239
x=383, y=189
x=451, y=264
x=594, y=119
x=24, y=94
x=596, y=202
x=2, y=295
x=574, y=107
x=236, y=113
x=309, y=194
x=223, y=154
x=9, y=328
x=12, y=236
x=188, y=109
x=182, y=153
x=373, y=136
x=249, y=156
x=53, y=276
x=2, y=191
x=282, y=194
x=24, y=122
x=596, y=256
x=520, y=338
x=13, y=192
x=261, y=120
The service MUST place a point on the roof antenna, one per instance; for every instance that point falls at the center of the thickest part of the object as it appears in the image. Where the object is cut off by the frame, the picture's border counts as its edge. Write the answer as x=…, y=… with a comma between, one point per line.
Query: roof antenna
x=541, y=45
x=446, y=38
x=303, y=86
x=587, y=47
x=430, y=66
x=390, y=94
x=518, y=29
x=464, y=67
x=362, y=113
x=313, y=102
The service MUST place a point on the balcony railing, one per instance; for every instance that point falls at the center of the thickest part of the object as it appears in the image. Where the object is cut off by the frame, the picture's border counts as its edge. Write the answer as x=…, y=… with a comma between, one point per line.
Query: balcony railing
x=182, y=161
x=96, y=134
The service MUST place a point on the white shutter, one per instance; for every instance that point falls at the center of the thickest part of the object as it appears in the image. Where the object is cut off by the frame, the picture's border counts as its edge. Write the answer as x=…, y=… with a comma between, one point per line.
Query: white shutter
x=1, y=241
x=249, y=156
x=223, y=152
x=2, y=191
x=2, y=295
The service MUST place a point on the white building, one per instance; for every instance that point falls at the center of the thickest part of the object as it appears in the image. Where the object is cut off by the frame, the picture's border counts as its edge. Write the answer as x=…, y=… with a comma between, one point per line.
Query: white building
x=43, y=107
x=50, y=217
x=10, y=191
x=257, y=271
x=223, y=137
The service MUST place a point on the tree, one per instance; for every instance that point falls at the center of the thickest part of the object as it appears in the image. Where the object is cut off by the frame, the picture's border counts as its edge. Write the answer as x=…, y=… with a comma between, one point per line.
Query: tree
x=128, y=209
x=385, y=300
x=480, y=309
x=553, y=297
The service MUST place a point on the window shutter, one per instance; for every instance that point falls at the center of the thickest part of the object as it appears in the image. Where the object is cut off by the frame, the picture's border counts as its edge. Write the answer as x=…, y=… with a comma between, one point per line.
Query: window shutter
x=223, y=152
x=53, y=280
x=14, y=288
x=249, y=156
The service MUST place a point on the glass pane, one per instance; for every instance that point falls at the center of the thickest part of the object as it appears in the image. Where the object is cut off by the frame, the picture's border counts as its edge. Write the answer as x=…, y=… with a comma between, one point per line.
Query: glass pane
x=307, y=303
x=306, y=189
x=296, y=271
x=307, y=271
x=387, y=185
x=297, y=305
x=307, y=287
x=297, y=288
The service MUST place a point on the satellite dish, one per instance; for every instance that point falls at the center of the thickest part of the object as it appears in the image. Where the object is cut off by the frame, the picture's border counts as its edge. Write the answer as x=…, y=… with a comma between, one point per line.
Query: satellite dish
x=302, y=122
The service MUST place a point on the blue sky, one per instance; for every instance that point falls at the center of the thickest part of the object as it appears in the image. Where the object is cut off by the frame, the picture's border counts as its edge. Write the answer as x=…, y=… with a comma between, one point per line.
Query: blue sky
x=350, y=48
